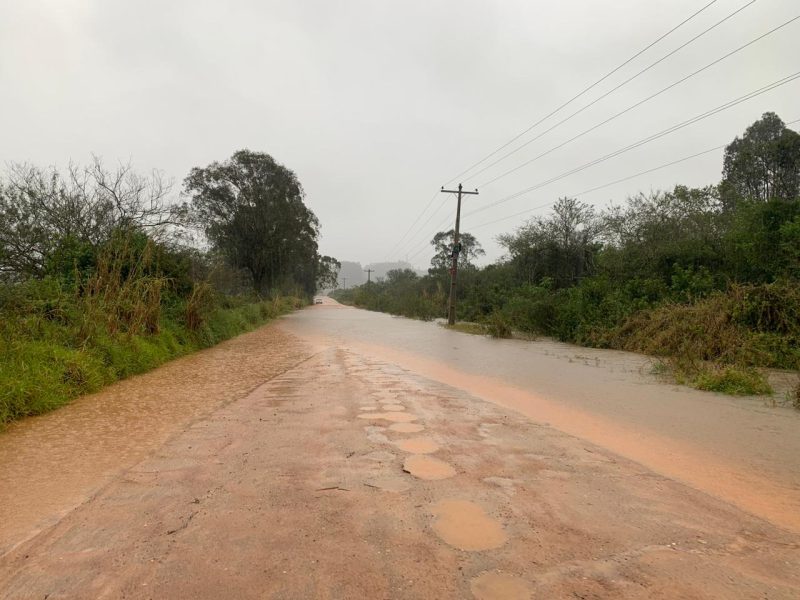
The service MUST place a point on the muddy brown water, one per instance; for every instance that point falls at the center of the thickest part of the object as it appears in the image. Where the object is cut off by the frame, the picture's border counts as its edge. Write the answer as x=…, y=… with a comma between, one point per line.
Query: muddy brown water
x=396, y=417
x=428, y=467
x=418, y=445
x=249, y=471
x=499, y=586
x=466, y=526
x=742, y=450
x=66, y=455
x=406, y=427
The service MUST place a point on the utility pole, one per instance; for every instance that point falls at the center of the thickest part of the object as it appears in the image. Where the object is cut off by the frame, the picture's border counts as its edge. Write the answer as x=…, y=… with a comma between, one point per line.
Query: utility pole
x=345, y=282
x=451, y=304
x=369, y=272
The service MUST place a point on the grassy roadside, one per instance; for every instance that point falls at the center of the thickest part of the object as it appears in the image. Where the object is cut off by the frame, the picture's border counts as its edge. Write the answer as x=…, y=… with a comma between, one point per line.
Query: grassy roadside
x=48, y=355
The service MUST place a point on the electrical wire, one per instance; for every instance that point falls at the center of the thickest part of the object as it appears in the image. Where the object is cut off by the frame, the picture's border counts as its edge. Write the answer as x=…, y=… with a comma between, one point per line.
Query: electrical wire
x=610, y=183
x=581, y=93
x=612, y=90
x=398, y=245
x=776, y=84
x=730, y=104
x=639, y=103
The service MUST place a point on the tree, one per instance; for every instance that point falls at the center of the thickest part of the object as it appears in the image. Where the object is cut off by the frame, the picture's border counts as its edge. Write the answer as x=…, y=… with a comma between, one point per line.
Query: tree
x=655, y=233
x=763, y=164
x=327, y=272
x=561, y=246
x=47, y=212
x=442, y=243
x=252, y=210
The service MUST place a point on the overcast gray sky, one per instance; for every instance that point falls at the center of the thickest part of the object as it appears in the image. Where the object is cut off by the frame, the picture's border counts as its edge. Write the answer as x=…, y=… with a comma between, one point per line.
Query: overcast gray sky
x=375, y=105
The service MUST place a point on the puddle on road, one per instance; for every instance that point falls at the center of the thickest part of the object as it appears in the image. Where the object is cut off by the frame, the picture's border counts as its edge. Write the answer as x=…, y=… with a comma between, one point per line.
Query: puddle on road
x=427, y=467
x=419, y=445
x=407, y=427
x=497, y=586
x=397, y=417
x=393, y=407
x=465, y=525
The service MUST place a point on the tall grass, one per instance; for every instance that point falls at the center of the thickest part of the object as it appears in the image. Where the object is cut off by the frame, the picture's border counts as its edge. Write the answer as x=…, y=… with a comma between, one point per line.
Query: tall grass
x=60, y=339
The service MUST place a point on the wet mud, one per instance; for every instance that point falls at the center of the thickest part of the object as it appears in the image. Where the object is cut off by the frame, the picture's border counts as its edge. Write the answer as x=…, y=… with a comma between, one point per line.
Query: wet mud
x=66, y=455
x=498, y=586
x=286, y=491
x=407, y=427
x=741, y=450
x=419, y=445
x=466, y=526
x=428, y=468
x=396, y=417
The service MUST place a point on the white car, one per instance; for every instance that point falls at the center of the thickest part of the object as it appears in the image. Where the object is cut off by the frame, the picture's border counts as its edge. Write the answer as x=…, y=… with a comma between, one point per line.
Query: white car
x=318, y=301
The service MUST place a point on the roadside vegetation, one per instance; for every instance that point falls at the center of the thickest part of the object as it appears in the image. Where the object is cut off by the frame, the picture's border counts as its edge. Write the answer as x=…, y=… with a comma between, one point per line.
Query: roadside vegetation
x=105, y=274
x=706, y=279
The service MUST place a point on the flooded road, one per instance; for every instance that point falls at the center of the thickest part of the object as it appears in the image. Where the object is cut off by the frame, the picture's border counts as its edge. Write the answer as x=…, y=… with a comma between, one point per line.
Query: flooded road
x=343, y=454
x=741, y=450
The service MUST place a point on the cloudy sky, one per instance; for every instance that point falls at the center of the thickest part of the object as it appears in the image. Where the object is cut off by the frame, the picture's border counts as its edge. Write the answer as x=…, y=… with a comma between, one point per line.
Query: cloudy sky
x=375, y=105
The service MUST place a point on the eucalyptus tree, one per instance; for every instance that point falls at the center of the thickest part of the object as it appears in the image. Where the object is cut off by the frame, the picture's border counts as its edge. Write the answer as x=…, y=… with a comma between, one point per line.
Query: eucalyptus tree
x=252, y=210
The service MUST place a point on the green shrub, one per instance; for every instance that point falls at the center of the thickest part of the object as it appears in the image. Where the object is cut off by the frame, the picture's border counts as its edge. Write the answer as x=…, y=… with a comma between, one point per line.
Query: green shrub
x=497, y=326
x=732, y=380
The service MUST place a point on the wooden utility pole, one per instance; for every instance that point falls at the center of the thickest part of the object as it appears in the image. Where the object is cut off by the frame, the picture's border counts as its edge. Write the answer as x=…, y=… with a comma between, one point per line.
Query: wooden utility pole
x=451, y=304
x=369, y=272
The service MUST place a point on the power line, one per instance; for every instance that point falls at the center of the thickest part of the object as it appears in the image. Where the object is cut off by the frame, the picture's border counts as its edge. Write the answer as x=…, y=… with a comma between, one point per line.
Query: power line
x=643, y=141
x=581, y=93
x=612, y=90
x=413, y=241
x=403, y=237
x=695, y=119
x=610, y=183
x=606, y=76
x=599, y=187
x=639, y=103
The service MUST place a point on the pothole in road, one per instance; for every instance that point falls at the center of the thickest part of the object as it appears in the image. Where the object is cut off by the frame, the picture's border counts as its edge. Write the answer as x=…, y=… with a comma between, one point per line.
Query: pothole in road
x=427, y=467
x=498, y=586
x=397, y=417
x=406, y=427
x=465, y=525
x=393, y=407
x=419, y=445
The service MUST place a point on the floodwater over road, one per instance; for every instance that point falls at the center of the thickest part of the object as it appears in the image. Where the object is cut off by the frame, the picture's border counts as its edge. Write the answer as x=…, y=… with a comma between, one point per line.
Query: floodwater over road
x=338, y=453
x=742, y=450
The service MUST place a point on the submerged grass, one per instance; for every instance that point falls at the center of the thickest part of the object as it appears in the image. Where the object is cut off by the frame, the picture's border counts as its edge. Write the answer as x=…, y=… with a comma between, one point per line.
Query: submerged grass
x=467, y=327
